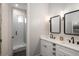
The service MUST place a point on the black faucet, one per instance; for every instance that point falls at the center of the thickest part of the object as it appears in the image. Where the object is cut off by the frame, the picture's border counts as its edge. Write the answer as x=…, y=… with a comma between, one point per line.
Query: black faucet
x=72, y=38
x=51, y=36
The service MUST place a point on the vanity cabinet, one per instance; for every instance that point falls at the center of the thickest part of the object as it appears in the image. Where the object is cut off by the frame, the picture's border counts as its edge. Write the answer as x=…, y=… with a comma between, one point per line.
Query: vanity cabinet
x=52, y=49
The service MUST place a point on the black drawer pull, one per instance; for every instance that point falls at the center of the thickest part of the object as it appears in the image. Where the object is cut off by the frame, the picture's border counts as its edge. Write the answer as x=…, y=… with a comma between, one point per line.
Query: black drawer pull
x=54, y=44
x=54, y=54
x=54, y=49
x=45, y=46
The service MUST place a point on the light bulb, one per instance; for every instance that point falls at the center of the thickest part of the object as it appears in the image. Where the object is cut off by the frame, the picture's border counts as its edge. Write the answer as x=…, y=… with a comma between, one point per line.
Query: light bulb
x=62, y=13
x=16, y=5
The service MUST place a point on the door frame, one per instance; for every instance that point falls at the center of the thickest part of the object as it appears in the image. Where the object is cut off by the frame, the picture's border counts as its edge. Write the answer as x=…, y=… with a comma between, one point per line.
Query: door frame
x=9, y=47
x=24, y=24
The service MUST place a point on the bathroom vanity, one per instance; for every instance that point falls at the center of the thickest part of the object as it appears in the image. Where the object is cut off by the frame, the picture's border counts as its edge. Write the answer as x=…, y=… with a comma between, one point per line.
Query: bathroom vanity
x=60, y=45
x=55, y=47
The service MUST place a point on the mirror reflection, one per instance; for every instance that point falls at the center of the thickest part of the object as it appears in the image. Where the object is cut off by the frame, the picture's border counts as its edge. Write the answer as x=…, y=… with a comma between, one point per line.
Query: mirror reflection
x=72, y=22
x=55, y=24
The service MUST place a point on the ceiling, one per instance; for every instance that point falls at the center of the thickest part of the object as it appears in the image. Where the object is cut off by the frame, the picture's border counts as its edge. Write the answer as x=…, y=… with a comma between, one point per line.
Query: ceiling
x=19, y=5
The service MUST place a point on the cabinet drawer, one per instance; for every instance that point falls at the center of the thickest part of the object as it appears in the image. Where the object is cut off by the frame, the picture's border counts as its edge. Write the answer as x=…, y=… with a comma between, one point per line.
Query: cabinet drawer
x=43, y=42
x=67, y=50
x=60, y=53
x=53, y=53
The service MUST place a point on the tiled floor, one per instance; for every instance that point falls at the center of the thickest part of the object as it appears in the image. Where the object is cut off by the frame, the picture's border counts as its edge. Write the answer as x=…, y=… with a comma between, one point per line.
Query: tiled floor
x=21, y=53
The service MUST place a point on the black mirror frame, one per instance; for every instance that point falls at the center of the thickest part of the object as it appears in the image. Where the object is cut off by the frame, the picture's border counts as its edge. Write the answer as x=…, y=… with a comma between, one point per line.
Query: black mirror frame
x=64, y=23
x=59, y=24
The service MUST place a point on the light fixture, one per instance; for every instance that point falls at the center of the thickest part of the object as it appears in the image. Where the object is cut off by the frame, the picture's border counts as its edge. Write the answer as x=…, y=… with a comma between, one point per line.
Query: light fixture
x=25, y=20
x=20, y=19
x=47, y=18
x=62, y=13
x=75, y=23
x=16, y=5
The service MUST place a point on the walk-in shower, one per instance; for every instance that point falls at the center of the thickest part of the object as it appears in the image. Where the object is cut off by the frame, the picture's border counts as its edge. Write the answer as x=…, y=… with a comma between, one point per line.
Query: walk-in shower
x=19, y=31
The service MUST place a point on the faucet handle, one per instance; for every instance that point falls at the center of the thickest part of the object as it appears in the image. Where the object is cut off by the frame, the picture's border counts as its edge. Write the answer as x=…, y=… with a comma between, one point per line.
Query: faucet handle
x=72, y=38
x=51, y=36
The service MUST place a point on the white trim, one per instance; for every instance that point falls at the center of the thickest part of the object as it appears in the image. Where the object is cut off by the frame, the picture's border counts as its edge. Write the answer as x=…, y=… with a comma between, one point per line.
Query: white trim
x=27, y=31
x=6, y=33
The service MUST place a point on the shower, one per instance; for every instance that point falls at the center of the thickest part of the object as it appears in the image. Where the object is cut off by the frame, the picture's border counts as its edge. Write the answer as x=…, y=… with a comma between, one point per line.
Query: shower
x=19, y=31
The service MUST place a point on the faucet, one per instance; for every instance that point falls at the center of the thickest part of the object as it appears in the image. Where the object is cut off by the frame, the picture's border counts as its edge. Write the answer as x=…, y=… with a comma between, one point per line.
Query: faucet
x=51, y=36
x=72, y=38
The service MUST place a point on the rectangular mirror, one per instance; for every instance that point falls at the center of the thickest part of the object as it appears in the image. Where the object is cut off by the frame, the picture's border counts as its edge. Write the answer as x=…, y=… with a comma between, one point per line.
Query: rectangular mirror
x=71, y=22
x=55, y=24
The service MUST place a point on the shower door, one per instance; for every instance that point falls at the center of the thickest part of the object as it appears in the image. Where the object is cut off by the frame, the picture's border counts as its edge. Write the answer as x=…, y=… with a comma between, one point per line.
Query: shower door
x=18, y=29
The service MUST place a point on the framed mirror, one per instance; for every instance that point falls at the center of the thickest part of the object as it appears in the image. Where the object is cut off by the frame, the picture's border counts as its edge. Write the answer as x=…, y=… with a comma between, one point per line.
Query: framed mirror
x=55, y=24
x=71, y=23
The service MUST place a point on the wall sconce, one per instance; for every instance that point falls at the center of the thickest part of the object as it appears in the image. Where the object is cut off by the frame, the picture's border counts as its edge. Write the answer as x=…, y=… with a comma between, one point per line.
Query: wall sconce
x=62, y=13
x=16, y=5
x=47, y=18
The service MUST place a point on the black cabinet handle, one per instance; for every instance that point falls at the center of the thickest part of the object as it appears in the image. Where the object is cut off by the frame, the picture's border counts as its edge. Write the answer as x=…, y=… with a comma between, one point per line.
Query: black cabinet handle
x=45, y=46
x=54, y=53
x=54, y=44
x=54, y=49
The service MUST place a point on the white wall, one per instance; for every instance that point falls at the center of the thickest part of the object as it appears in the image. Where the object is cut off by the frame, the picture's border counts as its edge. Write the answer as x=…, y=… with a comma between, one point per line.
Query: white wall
x=38, y=25
x=6, y=30
x=58, y=9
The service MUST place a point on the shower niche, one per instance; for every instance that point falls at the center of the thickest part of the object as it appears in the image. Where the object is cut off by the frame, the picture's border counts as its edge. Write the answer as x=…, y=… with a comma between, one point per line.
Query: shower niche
x=71, y=23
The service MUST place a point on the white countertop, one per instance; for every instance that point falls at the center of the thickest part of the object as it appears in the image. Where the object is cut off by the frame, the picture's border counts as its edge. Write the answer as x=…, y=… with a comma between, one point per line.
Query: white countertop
x=62, y=43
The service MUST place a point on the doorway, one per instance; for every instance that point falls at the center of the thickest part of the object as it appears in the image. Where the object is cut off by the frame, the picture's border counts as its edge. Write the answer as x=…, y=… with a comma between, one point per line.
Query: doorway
x=19, y=32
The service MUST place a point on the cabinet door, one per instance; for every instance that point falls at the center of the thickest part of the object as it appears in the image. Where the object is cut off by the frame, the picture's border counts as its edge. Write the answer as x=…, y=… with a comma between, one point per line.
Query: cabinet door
x=43, y=48
x=52, y=48
x=46, y=48
x=61, y=53
x=66, y=51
